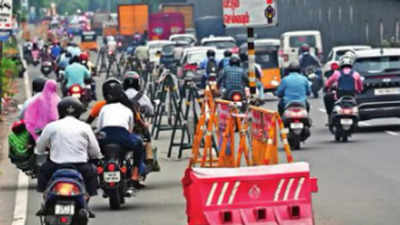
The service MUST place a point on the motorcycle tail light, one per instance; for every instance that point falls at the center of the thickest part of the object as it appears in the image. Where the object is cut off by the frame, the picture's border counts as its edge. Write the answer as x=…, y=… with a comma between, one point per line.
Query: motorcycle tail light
x=190, y=67
x=66, y=189
x=111, y=167
x=63, y=219
x=124, y=169
x=119, y=44
x=236, y=97
x=76, y=89
x=110, y=52
x=100, y=170
x=296, y=113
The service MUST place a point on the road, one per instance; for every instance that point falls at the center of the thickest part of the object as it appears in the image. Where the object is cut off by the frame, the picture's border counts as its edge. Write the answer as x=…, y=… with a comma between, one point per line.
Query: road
x=358, y=180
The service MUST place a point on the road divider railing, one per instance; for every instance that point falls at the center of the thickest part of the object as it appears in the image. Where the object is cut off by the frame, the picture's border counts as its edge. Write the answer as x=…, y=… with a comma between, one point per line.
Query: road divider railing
x=275, y=194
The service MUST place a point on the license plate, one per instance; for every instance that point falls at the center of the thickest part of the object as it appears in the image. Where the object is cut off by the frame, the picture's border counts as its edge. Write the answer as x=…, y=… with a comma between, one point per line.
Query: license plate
x=387, y=91
x=346, y=121
x=64, y=210
x=297, y=125
x=112, y=177
x=76, y=95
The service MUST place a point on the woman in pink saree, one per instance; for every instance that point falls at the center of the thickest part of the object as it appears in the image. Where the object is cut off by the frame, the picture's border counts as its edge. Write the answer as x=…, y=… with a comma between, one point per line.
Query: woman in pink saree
x=42, y=110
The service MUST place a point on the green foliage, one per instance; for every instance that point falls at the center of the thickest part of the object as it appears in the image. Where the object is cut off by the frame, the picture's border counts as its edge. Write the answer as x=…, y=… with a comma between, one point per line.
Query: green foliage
x=8, y=74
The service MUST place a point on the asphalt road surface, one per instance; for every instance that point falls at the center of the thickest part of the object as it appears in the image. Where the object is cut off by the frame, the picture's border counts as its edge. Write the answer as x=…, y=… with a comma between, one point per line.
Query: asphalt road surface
x=358, y=180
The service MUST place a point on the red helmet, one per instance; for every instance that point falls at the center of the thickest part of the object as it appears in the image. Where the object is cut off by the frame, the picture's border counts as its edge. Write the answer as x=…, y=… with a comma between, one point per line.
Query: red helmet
x=84, y=56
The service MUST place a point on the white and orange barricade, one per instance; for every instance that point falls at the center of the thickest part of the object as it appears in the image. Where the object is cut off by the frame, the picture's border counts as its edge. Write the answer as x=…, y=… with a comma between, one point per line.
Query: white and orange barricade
x=265, y=127
x=273, y=195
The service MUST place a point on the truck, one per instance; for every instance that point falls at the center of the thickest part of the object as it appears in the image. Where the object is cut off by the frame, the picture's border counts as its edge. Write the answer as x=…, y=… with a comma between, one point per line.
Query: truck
x=185, y=9
x=132, y=18
x=162, y=25
x=209, y=25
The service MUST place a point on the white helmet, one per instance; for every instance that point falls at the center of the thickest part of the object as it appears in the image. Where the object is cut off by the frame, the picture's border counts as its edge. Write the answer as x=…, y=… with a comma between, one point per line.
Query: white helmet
x=347, y=59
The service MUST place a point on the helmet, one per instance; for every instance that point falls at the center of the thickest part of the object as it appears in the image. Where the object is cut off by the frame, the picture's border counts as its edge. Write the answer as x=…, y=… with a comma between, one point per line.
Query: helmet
x=234, y=61
x=84, y=56
x=70, y=106
x=131, y=80
x=111, y=90
x=38, y=84
x=305, y=48
x=293, y=67
x=210, y=53
x=227, y=53
x=346, y=61
x=243, y=57
x=75, y=59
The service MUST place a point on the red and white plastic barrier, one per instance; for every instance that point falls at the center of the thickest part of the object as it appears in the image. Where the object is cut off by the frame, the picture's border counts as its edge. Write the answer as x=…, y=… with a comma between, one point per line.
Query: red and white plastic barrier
x=269, y=195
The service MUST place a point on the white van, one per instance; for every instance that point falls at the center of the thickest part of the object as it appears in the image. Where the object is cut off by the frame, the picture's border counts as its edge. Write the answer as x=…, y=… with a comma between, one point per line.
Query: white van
x=291, y=43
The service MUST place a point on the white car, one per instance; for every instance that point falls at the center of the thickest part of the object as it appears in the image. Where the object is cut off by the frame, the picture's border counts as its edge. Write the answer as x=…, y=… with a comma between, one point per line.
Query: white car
x=192, y=57
x=189, y=38
x=155, y=46
x=224, y=43
x=339, y=51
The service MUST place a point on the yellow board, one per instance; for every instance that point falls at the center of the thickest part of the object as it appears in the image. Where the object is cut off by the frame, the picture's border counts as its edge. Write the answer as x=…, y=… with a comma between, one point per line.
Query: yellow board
x=271, y=78
x=87, y=46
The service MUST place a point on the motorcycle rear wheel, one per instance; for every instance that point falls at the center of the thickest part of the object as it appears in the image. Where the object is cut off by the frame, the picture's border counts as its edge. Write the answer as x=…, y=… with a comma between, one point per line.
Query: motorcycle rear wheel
x=115, y=199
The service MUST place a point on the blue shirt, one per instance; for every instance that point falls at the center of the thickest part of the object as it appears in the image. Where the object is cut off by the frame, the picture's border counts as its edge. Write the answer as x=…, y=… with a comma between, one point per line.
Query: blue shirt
x=233, y=78
x=76, y=74
x=294, y=87
x=55, y=51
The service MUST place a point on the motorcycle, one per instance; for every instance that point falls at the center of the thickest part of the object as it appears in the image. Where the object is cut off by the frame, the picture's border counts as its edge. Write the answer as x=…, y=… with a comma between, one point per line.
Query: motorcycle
x=312, y=74
x=296, y=119
x=81, y=93
x=115, y=173
x=344, y=118
x=65, y=200
x=46, y=68
x=35, y=57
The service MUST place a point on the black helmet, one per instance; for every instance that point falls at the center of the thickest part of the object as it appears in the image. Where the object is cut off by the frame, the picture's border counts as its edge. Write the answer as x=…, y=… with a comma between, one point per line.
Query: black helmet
x=210, y=53
x=234, y=61
x=75, y=59
x=38, y=85
x=227, y=53
x=70, y=106
x=293, y=67
x=112, y=90
x=131, y=80
x=243, y=56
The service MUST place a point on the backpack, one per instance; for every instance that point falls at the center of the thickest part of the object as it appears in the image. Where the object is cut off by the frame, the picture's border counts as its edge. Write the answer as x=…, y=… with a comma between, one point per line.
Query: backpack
x=211, y=67
x=139, y=121
x=346, y=82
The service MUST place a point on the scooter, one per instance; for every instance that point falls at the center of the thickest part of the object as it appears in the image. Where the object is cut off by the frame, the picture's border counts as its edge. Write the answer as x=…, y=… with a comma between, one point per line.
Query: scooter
x=114, y=174
x=296, y=119
x=64, y=200
x=81, y=93
x=344, y=118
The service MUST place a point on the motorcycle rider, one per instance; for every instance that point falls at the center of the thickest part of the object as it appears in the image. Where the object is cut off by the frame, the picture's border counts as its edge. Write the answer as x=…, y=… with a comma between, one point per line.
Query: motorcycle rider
x=245, y=65
x=75, y=73
x=131, y=84
x=225, y=61
x=208, y=64
x=37, y=88
x=294, y=87
x=233, y=78
x=348, y=81
x=308, y=60
x=116, y=123
x=56, y=50
x=71, y=143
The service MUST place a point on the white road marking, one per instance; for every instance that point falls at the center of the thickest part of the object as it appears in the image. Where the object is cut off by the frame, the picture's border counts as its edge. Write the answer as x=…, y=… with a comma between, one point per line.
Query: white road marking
x=233, y=193
x=211, y=194
x=222, y=195
x=298, y=189
x=362, y=123
x=322, y=110
x=392, y=133
x=278, y=190
x=21, y=197
x=288, y=187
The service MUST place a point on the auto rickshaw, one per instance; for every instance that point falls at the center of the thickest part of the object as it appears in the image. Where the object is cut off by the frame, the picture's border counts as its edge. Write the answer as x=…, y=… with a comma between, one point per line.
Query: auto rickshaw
x=267, y=57
x=88, y=41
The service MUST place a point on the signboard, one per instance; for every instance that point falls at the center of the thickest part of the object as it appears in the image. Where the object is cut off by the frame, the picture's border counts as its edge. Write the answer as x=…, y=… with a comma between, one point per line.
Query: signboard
x=250, y=13
x=4, y=35
x=6, y=15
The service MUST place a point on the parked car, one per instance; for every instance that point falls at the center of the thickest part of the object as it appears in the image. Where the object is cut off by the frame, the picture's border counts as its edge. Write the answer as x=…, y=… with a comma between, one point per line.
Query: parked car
x=380, y=71
x=336, y=53
x=292, y=41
